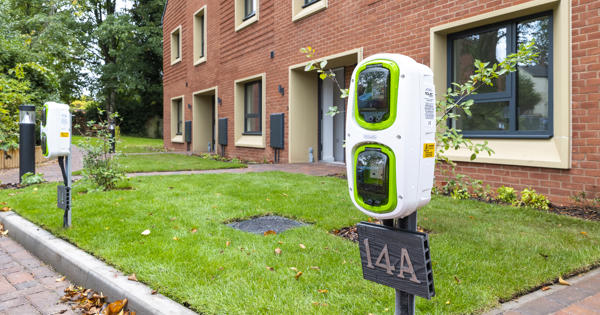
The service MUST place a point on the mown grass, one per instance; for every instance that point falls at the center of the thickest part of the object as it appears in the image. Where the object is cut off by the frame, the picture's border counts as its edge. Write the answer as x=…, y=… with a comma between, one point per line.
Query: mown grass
x=128, y=144
x=481, y=252
x=163, y=162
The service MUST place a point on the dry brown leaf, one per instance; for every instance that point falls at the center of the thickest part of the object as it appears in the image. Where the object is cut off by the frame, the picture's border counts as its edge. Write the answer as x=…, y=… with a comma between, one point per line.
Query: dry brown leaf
x=302, y=246
x=61, y=279
x=584, y=233
x=5, y=209
x=297, y=276
x=323, y=291
x=116, y=307
x=269, y=232
x=280, y=242
x=154, y=292
x=4, y=233
x=132, y=277
x=545, y=288
x=194, y=230
x=456, y=279
x=562, y=281
x=3, y=203
x=294, y=268
x=270, y=268
x=277, y=251
x=227, y=243
x=175, y=238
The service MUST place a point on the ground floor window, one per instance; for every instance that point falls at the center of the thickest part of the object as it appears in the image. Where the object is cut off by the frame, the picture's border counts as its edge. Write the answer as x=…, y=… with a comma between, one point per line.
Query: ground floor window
x=252, y=108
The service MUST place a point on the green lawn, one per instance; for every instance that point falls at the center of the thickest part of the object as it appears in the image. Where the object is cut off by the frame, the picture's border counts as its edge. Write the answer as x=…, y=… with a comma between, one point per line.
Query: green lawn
x=127, y=144
x=494, y=251
x=163, y=162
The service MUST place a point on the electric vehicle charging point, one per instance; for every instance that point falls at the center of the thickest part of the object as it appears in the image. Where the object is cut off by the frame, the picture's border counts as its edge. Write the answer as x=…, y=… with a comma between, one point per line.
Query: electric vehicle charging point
x=390, y=149
x=56, y=143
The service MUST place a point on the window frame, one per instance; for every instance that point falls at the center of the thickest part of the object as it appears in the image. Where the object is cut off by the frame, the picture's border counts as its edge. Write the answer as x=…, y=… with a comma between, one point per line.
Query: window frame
x=176, y=59
x=511, y=93
x=257, y=115
x=200, y=34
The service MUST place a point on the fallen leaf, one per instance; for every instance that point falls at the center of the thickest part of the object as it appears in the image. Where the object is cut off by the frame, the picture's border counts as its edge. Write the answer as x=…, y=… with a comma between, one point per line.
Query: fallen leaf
x=344, y=262
x=545, y=288
x=146, y=232
x=297, y=276
x=115, y=307
x=294, y=268
x=173, y=218
x=3, y=203
x=269, y=232
x=562, y=281
x=175, y=238
x=302, y=246
x=227, y=243
x=448, y=302
x=221, y=268
x=280, y=242
x=584, y=233
x=323, y=291
x=270, y=268
x=4, y=233
x=284, y=194
x=456, y=279
x=5, y=209
x=314, y=267
x=132, y=277
x=154, y=292
x=194, y=230
x=61, y=279
x=277, y=251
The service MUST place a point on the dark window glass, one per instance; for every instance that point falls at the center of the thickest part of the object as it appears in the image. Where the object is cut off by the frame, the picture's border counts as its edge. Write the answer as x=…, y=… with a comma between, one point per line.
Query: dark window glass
x=309, y=2
x=179, y=113
x=372, y=176
x=176, y=44
x=373, y=94
x=252, y=107
x=201, y=36
x=249, y=8
x=519, y=104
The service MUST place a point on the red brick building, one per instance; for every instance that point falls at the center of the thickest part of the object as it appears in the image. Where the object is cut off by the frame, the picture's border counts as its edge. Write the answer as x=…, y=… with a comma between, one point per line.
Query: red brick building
x=240, y=60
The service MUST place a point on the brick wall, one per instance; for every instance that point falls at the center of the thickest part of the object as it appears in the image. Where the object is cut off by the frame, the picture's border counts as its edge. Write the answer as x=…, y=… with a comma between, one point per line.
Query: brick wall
x=400, y=26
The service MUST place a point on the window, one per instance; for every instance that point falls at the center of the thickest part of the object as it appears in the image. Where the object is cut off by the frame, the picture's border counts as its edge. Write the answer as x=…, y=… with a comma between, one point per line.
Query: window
x=246, y=13
x=252, y=108
x=177, y=119
x=518, y=105
x=200, y=36
x=176, y=45
x=305, y=8
x=249, y=9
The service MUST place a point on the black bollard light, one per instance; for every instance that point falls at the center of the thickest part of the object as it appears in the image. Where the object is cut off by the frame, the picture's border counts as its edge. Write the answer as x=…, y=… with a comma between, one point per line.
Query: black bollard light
x=26, y=140
x=113, y=141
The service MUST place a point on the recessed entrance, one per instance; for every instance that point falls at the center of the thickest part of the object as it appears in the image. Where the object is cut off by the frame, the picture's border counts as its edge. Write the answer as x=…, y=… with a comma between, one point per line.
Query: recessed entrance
x=331, y=129
x=204, y=118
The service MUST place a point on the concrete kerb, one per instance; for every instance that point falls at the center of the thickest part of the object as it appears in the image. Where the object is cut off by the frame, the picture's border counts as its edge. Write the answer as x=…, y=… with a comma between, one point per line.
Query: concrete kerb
x=85, y=270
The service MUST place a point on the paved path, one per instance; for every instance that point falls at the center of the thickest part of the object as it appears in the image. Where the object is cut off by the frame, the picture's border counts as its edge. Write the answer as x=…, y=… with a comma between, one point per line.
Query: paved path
x=25, y=282
x=27, y=286
x=50, y=169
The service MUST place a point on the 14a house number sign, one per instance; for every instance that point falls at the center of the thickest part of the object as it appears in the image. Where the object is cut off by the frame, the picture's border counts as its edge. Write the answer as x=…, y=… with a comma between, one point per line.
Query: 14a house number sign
x=396, y=258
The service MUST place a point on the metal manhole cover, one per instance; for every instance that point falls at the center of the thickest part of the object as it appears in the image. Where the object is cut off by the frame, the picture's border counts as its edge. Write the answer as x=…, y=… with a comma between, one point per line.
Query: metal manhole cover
x=262, y=224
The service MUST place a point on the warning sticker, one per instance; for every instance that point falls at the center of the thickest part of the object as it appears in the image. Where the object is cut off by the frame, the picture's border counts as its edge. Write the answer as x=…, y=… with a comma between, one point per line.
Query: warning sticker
x=428, y=150
x=64, y=134
x=429, y=104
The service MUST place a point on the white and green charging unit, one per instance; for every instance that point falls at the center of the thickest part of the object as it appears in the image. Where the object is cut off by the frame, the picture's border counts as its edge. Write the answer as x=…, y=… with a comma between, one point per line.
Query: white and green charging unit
x=390, y=144
x=56, y=143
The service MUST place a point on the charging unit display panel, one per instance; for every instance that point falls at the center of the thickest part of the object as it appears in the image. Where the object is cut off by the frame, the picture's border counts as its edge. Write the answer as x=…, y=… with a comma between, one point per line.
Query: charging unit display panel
x=375, y=178
x=375, y=100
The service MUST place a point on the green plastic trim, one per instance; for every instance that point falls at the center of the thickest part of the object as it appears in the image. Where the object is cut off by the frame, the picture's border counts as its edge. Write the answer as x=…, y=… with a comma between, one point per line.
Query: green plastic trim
x=44, y=115
x=392, y=199
x=44, y=139
x=393, y=97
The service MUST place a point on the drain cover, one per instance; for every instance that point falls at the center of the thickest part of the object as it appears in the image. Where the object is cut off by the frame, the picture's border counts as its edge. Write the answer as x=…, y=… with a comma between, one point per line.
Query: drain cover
x=262, y=224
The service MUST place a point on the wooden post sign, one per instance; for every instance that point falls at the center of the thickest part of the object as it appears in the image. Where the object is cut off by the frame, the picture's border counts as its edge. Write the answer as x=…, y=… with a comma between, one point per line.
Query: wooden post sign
x=396, y=258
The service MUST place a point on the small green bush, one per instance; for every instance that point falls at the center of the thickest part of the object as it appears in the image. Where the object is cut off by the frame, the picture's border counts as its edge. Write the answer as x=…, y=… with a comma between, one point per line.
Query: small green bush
x=506, y=194
x=31, y=179
x=531, y=199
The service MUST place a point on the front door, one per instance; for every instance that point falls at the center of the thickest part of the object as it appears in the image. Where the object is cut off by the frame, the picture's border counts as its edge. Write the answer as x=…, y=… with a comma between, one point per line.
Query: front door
x=331, y=142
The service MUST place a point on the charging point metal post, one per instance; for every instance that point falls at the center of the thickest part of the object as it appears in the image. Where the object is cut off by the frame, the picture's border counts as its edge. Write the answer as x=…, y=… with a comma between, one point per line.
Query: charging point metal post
x=390, y=141
x=56, y=143
x=26, y=140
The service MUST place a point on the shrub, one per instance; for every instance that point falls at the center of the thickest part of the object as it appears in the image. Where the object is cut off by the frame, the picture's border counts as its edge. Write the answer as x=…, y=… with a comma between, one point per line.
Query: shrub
x=100, y=166
x=531, y=199
x=31, y=179
x=506, y=194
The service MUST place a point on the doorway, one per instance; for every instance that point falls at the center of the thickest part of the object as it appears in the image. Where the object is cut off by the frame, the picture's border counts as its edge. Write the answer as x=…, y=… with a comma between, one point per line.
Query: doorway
x=331, y=129
x=204, y=121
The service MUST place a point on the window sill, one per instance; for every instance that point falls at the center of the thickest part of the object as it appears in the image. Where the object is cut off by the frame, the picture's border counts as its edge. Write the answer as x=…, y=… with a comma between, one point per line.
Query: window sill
x=177, y=139
x=310, y=10
x=200, y=61
x=176, y=61
x=549, y=153
x=247, y=22
x=251, y=141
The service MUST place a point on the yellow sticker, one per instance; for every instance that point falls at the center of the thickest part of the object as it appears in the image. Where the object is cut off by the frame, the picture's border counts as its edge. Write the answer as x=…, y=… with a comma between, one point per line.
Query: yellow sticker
x=428, y=150
x=64, y=134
